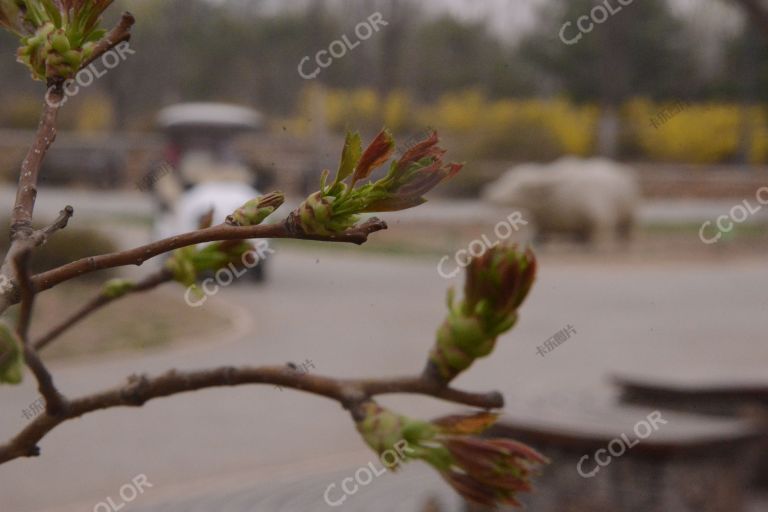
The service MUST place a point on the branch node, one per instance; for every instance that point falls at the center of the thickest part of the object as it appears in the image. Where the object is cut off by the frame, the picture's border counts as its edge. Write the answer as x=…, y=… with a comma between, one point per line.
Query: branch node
x=134, y=392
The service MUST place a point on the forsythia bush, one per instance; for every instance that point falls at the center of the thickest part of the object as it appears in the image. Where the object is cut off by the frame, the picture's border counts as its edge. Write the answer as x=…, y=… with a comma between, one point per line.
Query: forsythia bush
x=544, y=129
x=360, y=107
x=560, y=125
x=697, y=133
x=759, y=150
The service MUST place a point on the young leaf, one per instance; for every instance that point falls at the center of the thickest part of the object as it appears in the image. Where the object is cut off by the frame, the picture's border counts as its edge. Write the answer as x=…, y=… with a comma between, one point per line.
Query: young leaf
x=350, y=156
x=378, y=152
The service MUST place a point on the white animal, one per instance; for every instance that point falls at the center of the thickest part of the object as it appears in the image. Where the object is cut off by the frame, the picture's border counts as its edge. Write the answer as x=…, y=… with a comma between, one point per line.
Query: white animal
x=594, y=199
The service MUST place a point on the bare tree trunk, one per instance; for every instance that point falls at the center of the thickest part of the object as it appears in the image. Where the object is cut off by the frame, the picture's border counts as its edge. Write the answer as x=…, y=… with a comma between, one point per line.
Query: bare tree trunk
x=757, y=12
x=613, y=87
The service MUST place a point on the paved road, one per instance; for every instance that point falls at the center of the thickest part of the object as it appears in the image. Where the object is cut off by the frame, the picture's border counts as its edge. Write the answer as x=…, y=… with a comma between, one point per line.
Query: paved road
x=354, y=316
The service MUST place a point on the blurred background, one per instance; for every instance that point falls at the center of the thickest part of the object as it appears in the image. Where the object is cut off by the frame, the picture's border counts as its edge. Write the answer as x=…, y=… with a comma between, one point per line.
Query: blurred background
x=636, y=151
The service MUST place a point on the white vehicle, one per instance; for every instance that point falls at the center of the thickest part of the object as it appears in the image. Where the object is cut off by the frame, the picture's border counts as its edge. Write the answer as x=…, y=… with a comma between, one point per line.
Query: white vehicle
x=201, y=170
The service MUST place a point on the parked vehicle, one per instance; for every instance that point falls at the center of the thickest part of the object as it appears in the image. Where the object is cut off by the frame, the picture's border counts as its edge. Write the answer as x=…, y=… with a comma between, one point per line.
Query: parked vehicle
x=202, y=169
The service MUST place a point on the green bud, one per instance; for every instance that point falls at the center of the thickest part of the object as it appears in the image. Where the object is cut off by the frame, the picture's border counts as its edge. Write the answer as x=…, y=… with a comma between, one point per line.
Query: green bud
x=495, y=287
x=255, y=211
x=60, y=42
x=11, y=356
x=181, y=267
x=72, y=57
x=315, y=213
x=381, y=429
x=116, y=288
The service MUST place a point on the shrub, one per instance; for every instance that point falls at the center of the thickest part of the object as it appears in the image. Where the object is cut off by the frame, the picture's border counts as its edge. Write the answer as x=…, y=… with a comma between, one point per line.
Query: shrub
x=68, y=245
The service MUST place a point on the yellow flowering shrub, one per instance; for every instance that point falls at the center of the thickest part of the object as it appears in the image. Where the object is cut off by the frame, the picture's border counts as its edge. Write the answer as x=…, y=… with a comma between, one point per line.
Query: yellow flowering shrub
x=695, y=133
x=543, y=129
x=759, y=150
x=555, y=126
x=365, y=108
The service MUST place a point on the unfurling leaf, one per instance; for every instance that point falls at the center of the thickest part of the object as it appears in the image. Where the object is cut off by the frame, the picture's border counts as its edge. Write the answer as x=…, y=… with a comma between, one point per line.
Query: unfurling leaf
x=489, y=472
x=378, y=152
x=335, y=208
x=350, y=156
x=466, y=424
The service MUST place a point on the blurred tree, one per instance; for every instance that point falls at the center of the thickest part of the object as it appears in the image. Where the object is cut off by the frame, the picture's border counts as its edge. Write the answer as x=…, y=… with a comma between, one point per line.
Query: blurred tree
x=757, y=10
x=248, y=51
x=447, y=54
x=639, y=50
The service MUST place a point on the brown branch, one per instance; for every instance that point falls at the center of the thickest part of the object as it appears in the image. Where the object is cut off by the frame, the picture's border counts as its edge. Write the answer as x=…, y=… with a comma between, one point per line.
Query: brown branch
x=26, y=194
x=119, y=34
x=55, y=403
x=140, y=389
x=60, y=223
x=357, y=235
x=98, y=302
x=26, y=292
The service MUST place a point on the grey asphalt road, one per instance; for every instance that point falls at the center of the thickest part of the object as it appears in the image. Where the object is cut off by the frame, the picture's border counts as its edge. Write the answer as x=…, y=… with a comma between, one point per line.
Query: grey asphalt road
x=355, y=315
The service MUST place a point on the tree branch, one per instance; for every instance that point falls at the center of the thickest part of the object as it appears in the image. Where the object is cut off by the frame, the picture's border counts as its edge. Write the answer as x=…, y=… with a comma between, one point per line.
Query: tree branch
x=61, y=221
x=27, y=293
x=98, y=302
x=140, y=389
x=55, y=403
x=357, y=235
x=26, y=194
x=121, y=32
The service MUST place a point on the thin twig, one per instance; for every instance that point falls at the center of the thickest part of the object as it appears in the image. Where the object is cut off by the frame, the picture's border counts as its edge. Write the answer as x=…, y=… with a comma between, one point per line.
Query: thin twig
x=61, y=221
x=140, y=389
x=357, y=235
x=26, y=292
x=55, y=403
x=98, y=302
x=119, y=34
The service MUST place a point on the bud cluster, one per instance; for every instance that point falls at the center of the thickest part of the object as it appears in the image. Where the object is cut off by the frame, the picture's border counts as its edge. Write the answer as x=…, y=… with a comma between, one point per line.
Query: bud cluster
x=496, y=285
x=488, y=472
x=57, y=36
x=336, y=207
x=188, y=263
